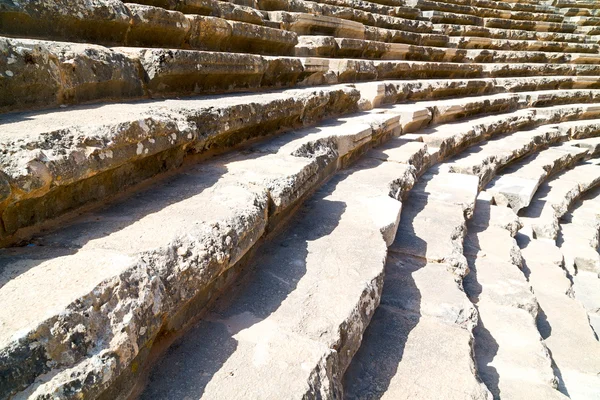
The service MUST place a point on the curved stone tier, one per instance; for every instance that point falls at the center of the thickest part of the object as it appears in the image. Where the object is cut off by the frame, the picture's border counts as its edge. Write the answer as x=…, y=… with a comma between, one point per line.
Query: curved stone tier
x=289, y=199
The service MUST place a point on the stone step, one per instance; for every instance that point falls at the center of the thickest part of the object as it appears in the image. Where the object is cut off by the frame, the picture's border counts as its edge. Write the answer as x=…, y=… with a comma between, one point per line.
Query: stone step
x=42, y=73
x=579, y=240
x=518, y=183
x=576, y=3
x=376, y=94
x=476, y=42
x=300, y=21
x=295, y=300
x=390, y=92
x=419, y=343
x=373, y=7
x=555, y=196
x=591, y=144
x=517, y=5
x=125, y=144
x=584, y=21
x=329, y=46
x=448, y=139
x=510, y=355
x=564, y=326
x=414, y=116
x=586, y=215
x=114, y=146
x=539, y=26
x=441, y=17
x=484, y=12
x=111, y=22
x=575, y=12
x=214, y=8
x=586, y=286
x=447, y=199
x=313, y=17
x=512, y=33
x=143, y=251
x=588, y=30
x=488, y=157
x=48, y=74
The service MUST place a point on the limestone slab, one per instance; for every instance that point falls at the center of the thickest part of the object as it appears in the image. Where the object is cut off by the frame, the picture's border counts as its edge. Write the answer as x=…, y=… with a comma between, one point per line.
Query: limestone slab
x=336, y=281
x=517, y=184
x=170, y=251
x=568, y=335
x=556, y=196
x=410, y=356
x=123, y=134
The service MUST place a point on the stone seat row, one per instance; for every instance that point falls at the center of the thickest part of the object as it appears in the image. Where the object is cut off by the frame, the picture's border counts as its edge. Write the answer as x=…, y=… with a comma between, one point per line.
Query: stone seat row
x=532, y=6
x=39, y=74
x=579, y=240
x=428, y=5
x=514, y=34
x=227, y=231
x=134, y=24
x=102, y=149
x=329, y=46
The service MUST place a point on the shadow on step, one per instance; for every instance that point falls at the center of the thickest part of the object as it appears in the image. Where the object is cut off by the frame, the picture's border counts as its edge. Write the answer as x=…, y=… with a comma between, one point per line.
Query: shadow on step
x=104, y=227
x=242, y=332
x=376, y=363
x=485, y=347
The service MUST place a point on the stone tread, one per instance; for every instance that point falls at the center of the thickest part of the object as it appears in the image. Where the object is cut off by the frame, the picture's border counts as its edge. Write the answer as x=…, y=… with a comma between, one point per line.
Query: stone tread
x=111, y=22
x=566, y=330
x=125, y=134
x=147, y=238
x=328, y=46
x=554, y=197
x=579, y=240
x=421, y=300
x=511, y=357
x=528, y=45
x=80, y=143
x=511, y=33
x=488, y=157
x=41, y=74
x=484, y=11
x=453, y=137
x=296, y=300
x=518, y=183
x=447, y=199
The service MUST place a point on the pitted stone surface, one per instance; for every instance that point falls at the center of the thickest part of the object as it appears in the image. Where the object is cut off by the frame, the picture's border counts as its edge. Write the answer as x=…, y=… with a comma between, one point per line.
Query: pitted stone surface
x=134, y=224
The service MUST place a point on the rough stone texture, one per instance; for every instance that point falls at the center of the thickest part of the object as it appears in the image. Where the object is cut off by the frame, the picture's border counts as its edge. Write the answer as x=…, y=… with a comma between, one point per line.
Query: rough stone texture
x=98, y=21
x=41, y=74
x=511, y=357
x=579, y=240
x=331, y=266
x=35, y=175
x=89, y=300
x=75, y=145
x=519, y=181
x=556, y=196
x=566, y=330
x=181, y=263
x=496, y=153
x=434, y=224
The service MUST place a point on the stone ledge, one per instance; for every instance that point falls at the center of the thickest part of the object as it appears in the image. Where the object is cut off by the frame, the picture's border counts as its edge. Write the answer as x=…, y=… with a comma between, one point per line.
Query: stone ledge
x=233, y=200
x=110, y=22
x=119, y=145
